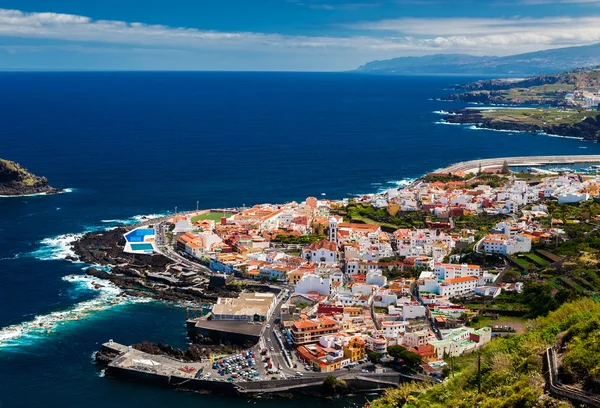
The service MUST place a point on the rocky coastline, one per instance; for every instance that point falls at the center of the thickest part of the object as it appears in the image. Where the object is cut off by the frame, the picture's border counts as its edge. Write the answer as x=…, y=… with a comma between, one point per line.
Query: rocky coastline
x=16, y=181
x=588, y=129
x=498, y=97
x=148, y=276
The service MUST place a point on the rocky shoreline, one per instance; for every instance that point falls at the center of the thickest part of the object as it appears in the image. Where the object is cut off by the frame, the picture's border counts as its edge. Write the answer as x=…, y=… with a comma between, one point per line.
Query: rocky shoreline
x=588, y=129
x=16, y=181
x=148, y=276
x=499, y=98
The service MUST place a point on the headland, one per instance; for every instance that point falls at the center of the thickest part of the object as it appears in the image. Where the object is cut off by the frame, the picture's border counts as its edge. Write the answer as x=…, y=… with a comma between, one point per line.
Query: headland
x=17, y=181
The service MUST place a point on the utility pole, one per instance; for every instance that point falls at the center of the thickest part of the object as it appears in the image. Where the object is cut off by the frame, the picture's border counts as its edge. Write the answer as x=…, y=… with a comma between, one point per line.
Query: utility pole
x=479, y=371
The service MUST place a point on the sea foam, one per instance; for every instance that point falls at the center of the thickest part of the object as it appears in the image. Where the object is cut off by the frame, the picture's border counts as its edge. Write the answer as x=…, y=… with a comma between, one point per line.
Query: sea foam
x=56, y=248
x=32, y=331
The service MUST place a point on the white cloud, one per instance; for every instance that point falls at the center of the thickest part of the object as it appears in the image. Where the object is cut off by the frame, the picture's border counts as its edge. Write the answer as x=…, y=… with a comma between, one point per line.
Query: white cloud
x=373, y=40
x=480, y=33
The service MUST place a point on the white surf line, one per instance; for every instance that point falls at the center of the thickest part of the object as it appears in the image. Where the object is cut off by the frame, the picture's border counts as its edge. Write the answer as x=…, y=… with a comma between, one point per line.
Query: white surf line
x=32, y=331
x=63, y=191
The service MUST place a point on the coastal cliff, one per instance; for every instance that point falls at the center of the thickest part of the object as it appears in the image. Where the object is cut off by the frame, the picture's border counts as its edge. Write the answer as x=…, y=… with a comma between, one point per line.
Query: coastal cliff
x=585, y=125
x=545, y=90
x=17, y=181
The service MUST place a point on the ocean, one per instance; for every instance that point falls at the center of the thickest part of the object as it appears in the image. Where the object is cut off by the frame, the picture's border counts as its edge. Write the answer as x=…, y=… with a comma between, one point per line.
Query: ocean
x=131, y=144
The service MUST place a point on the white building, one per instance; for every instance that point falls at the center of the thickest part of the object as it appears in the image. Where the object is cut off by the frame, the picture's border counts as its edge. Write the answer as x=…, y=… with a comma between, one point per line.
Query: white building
x=458, y=286
x=451, y=271
x=572, y=197
x=376, y=278
x=413, y=311
x=498, y=244
x=322, y=251
x=313, y=283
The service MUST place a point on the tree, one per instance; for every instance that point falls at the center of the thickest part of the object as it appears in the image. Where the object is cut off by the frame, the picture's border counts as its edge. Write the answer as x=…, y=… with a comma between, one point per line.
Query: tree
x=400, y=353
x=512, y=275
x=331, y=382
x=505, y=169
x=374, y=357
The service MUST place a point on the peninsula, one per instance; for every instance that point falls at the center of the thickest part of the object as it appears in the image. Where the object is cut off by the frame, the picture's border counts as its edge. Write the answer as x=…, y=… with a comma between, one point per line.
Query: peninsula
x=564, y=104
x=17, y=181
x=383, y=291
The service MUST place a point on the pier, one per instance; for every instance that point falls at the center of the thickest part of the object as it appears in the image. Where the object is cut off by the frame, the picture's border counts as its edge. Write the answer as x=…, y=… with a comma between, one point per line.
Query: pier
x=133, y=364
x=473, y=166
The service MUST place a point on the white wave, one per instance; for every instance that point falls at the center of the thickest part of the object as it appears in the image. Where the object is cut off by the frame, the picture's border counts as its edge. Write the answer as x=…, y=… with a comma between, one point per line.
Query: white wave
x=583, y=147
x=136, y=219
x=402, y=183
x=559, y=136
x=55, y=248
x=65, y=190
x=32, y=331
x=16, y=256
x=445, y=113
x=443, y=122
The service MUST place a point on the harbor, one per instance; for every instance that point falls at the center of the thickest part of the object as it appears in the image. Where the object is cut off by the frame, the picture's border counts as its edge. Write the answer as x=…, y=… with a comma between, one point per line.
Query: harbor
x=159, y=370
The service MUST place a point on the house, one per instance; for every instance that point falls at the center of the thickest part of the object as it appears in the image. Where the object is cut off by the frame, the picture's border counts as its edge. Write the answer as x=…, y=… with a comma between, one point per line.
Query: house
x=458, y=286
x=498, y=244
x=321, y=251
x=313, y=283
x=308, y=331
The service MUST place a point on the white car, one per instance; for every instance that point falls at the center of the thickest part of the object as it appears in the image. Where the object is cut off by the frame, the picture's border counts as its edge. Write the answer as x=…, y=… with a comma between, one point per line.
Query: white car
x=272, y=349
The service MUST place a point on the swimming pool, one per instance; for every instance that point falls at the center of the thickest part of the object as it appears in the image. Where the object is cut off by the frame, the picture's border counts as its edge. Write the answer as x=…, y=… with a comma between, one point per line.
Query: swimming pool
x=142, y=247
x=138, y=234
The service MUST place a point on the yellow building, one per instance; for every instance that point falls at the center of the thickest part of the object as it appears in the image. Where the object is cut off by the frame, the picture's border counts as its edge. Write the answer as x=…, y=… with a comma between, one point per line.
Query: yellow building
x=355, y=350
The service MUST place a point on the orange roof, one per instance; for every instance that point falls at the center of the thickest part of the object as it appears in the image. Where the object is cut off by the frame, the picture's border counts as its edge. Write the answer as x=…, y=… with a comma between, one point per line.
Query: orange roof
x=360, y=227
x=187, y=237
x=459, y=280
x=304, y=324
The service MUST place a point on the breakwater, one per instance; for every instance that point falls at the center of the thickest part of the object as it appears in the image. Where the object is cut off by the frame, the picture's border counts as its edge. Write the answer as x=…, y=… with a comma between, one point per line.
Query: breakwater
x=522, y=161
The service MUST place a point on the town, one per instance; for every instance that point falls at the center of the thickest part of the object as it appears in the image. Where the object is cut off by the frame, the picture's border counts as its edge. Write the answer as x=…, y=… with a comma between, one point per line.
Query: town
x=400, y=281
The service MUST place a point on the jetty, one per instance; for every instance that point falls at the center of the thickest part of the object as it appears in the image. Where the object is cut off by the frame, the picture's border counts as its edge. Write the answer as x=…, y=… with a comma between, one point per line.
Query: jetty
x=473, y=166
x=133, y=364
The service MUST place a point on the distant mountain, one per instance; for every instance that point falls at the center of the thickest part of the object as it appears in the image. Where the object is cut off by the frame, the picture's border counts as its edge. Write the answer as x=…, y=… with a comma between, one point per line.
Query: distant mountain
x=533, y=63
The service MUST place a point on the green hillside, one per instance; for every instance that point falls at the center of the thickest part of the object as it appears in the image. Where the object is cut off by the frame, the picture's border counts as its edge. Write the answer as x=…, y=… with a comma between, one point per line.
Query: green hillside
x=512, y=373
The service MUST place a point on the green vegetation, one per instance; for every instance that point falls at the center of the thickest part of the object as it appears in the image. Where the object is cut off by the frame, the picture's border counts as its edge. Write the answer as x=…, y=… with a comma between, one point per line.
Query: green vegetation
x=298, y=240
x=14, y=175
x=400, y=353
x=332, y=383
x=541, y=117
x=374, y=357
x=511, y=368
x=479, y=222
x=213, y=216
x=539, y=261
x=366, y=213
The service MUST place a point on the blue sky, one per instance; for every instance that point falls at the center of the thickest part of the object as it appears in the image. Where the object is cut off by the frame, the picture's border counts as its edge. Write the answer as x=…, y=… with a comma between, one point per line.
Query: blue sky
x=316, y=35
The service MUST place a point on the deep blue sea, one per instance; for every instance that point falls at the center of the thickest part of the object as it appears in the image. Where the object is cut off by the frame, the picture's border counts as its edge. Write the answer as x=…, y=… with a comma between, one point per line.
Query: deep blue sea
x=130, y=144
